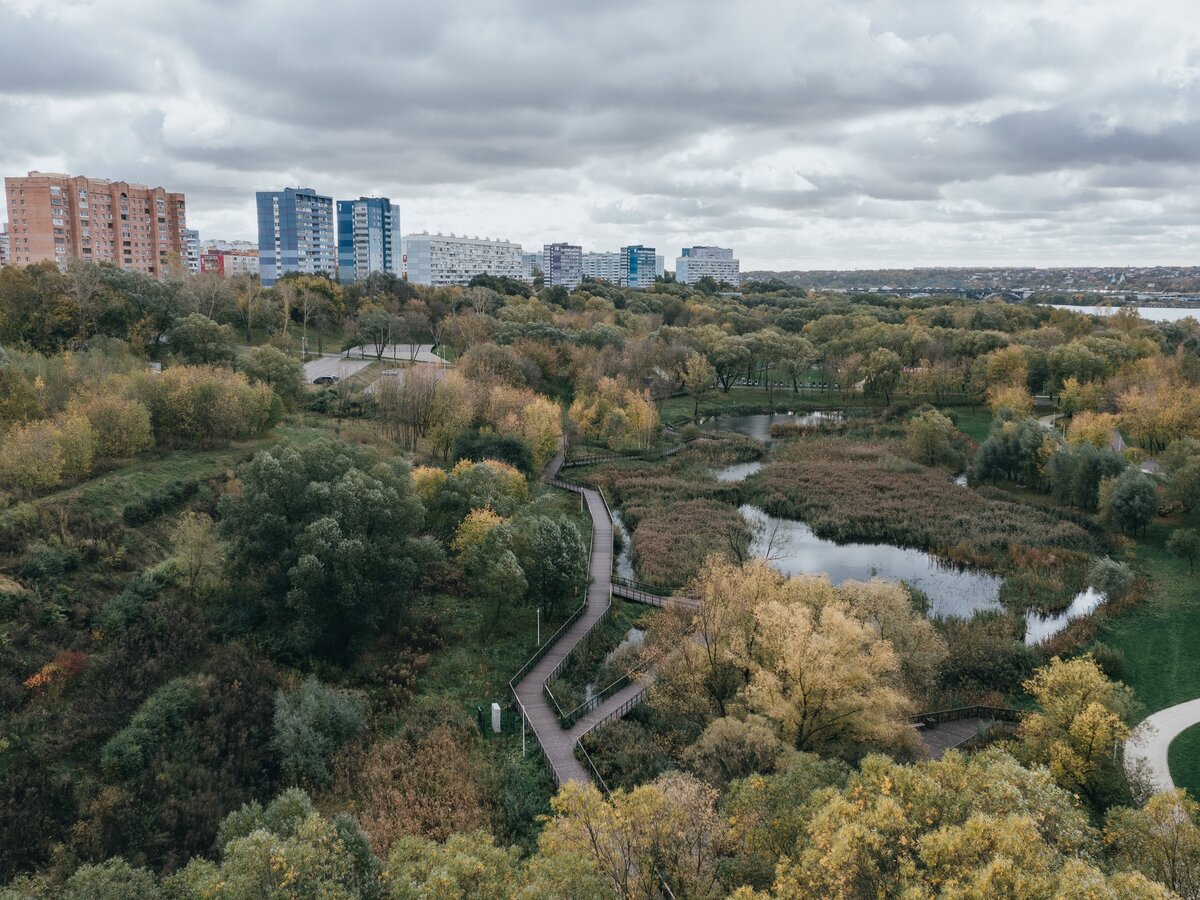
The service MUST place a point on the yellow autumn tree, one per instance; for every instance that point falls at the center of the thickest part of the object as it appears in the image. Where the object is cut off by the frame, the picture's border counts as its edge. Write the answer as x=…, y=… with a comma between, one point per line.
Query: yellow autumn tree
x=31, y=457
x=1092, y=428
x=426, y=481
x=121, y=424
x=541, y=429
x=1079, y=723
x=1014, y=397
x=474, y=529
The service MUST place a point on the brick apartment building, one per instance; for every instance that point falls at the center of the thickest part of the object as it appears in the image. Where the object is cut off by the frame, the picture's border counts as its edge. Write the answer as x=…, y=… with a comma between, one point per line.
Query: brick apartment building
x=64, y=217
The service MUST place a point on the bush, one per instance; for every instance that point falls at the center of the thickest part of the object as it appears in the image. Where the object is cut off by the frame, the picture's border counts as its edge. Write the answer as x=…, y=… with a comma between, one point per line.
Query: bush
x=1110, y=660
x=127, y=752
x=201, y=406
x=477, y=446
x=46, y=562
x=311, y=722
x=161, y=500
x=1110, y=577
x=121, y=424
x=120, y=611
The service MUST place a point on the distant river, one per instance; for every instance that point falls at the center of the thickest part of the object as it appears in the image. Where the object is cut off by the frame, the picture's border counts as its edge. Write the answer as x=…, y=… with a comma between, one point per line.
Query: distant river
x=1149, y=313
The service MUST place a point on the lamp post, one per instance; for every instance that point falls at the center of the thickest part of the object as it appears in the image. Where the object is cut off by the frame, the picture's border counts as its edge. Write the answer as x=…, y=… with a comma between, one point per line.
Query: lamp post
x=539, y=626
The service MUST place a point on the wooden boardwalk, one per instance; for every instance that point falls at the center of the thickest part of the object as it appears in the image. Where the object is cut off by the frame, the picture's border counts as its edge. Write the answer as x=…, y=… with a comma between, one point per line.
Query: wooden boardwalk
x=557, y=743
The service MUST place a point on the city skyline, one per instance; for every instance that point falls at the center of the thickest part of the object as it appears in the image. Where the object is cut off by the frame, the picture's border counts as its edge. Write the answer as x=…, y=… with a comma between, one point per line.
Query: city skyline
x=813, y=136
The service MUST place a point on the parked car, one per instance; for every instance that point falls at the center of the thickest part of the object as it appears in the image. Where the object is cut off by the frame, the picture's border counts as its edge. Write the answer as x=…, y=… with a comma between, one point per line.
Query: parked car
x=325, y=379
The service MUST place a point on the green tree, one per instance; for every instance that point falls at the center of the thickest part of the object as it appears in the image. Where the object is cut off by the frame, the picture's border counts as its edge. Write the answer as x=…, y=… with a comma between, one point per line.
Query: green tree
x=883, y=369
x=930, y=437
x=554, y=560
x=1161, y=840
x=310, y=723
x=1184, y=485
x=1131, y=501
x=287, y=850
x=281, y=373
x=198, y=339
x=466, y=866
x=323, y=538
x=1185, y=543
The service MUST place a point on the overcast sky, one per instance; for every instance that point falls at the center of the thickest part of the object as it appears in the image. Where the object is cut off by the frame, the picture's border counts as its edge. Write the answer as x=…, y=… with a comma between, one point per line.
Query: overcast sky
x=806, y=135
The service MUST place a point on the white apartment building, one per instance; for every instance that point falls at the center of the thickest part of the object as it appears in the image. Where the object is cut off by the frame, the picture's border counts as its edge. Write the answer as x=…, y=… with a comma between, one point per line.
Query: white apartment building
x=191, y=251
x=439, y=259
x=212, y=245
x=717, y=263
x=660, y=266
x=602, y=265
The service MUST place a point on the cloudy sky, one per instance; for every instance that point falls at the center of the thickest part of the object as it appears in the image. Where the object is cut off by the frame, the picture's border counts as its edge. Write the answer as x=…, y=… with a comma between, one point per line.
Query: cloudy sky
x=808, y=135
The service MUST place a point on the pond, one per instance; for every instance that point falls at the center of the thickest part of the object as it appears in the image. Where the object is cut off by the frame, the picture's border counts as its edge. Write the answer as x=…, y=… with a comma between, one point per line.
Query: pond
x=635, y=637
x=792, y=548
x=1039, y=627
x=759, y=426
x=738, y=471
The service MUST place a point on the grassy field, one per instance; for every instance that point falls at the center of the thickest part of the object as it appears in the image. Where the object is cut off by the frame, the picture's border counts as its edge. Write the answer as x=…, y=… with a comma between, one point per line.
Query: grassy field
x=974, y=421
x=1184, y=757
x=1158, y=638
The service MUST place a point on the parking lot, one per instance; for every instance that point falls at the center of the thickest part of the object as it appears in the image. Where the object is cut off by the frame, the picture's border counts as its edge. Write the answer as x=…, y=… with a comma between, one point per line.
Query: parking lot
x=334, y=366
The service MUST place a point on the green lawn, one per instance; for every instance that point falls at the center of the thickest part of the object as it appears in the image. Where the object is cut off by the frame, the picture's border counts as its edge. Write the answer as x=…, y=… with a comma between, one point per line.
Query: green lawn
x=1159, y=639
x=1159, y=636
x=974, y=421
x=1184, y=758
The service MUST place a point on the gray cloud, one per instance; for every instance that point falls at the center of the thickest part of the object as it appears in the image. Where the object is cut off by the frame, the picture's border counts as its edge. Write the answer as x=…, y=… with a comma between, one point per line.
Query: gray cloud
x=809, y=134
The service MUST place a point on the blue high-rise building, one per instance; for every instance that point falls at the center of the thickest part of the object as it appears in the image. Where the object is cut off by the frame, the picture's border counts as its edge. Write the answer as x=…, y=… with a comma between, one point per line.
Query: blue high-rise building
x=368, y=238
x=295, y=234
x=638, y=266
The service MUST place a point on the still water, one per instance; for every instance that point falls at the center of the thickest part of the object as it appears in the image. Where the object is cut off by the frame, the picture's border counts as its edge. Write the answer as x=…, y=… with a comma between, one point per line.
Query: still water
x=1038, y=628
x=738, y=471
x=792, y=548
x=1149, y=313
x=759, y=426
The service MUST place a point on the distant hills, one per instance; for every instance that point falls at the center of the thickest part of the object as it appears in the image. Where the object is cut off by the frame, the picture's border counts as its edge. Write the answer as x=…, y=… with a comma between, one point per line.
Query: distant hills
x=1123, y=279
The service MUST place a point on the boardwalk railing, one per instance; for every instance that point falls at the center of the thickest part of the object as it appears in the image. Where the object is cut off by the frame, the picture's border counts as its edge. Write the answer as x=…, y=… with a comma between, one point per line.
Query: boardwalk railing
x=996, y=713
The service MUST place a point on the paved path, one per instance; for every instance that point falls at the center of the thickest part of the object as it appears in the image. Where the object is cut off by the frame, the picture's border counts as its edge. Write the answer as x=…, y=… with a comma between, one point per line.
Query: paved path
x=1150, y=741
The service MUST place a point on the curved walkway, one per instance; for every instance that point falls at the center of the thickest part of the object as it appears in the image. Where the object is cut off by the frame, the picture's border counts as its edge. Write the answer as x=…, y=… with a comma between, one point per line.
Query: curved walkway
x=1150, y=741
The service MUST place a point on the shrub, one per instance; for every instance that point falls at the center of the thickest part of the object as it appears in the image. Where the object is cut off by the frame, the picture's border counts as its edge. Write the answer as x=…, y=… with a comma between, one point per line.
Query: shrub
x=476, y=446
x=159, y=501
x=311, y=722
x=121, y=424
x=201, y=406
x=1110, y=577
x=31, y=458
x=46, y=562
x=127, y=752
x=1110, y=660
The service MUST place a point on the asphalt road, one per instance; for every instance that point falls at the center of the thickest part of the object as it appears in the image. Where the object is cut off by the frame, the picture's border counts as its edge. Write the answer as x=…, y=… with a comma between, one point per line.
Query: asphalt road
x=333, y=365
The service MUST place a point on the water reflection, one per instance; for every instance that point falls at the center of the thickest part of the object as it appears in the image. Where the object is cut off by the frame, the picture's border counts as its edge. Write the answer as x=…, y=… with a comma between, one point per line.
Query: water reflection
x=624, y=568
x=738, y=471
x=1039, y=627
x=792, y=548
x=759, y=426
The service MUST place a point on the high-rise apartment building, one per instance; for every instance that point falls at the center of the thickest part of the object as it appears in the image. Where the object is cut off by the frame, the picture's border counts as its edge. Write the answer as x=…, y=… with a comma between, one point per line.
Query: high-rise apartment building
x=638, y=266
x=65, y=217
x=605, y=266
x=531, y=264
x=717, y=263
x=191, y=250
x=4, y=247
x=660, y=266
x=439, y=259
x=368, y=238
x=562, y=264
x=295, y=234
